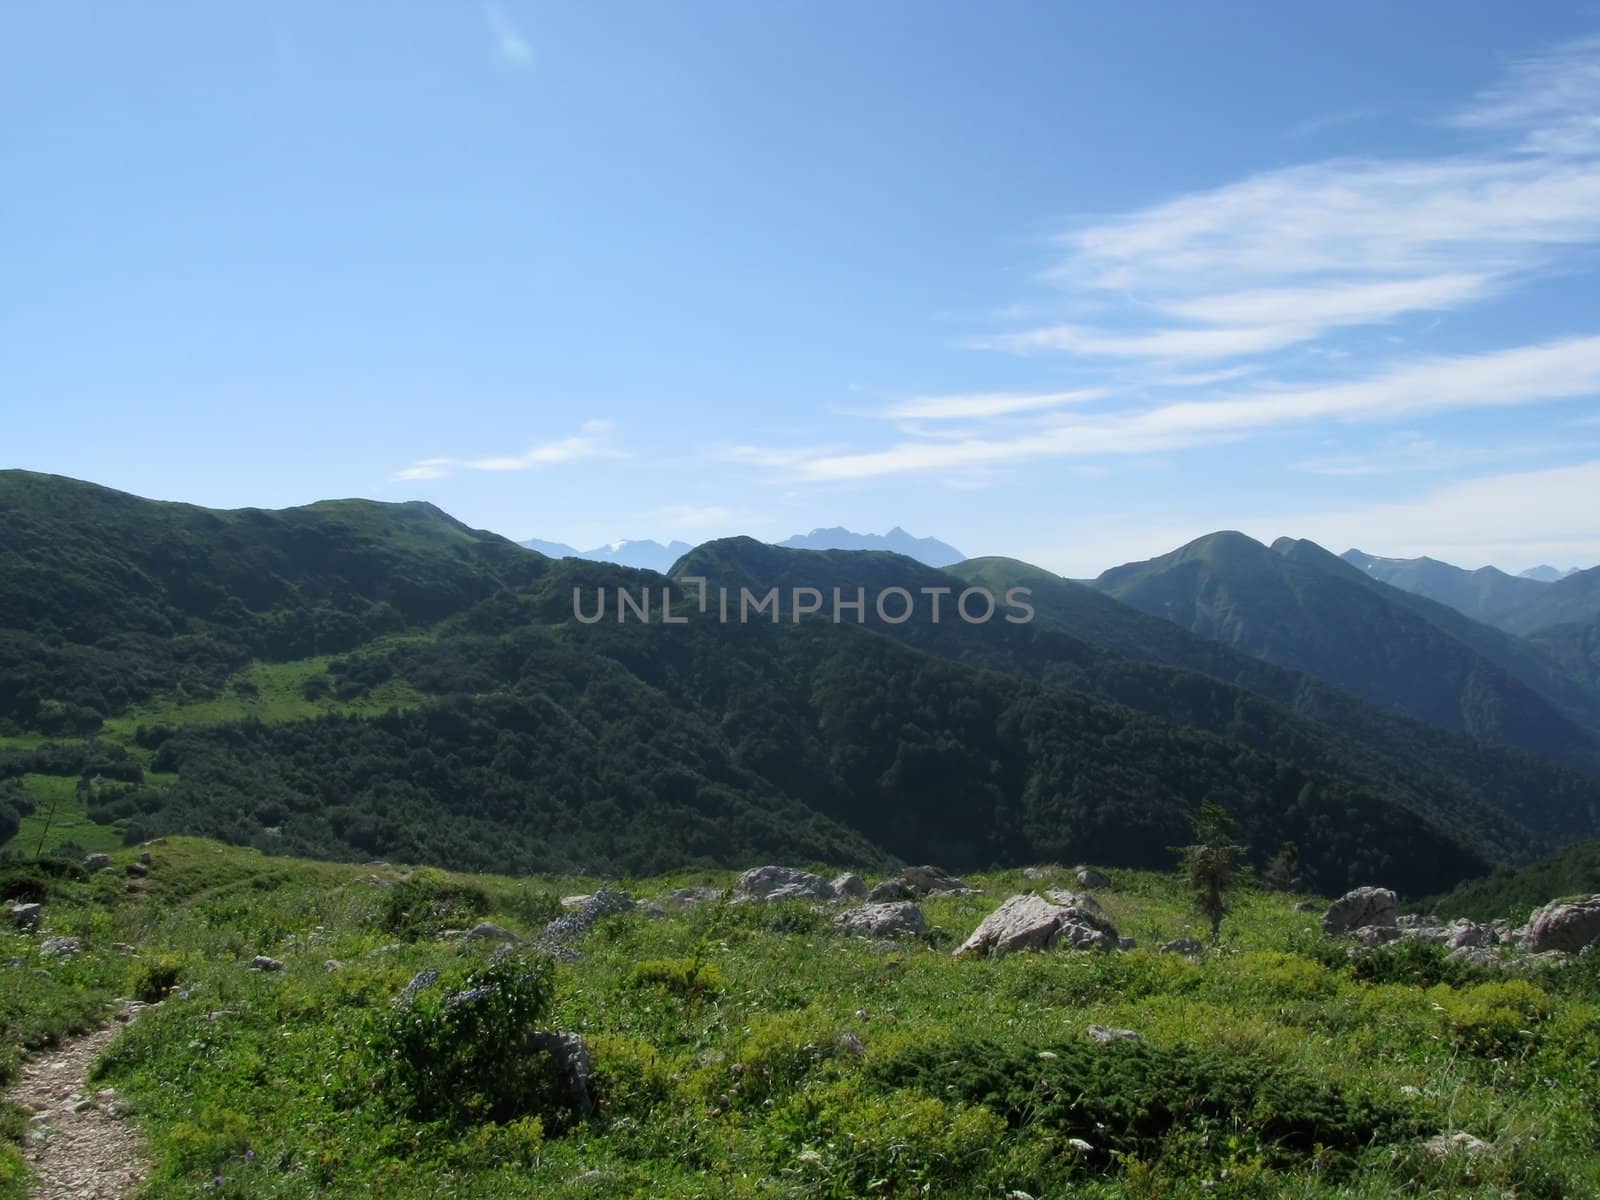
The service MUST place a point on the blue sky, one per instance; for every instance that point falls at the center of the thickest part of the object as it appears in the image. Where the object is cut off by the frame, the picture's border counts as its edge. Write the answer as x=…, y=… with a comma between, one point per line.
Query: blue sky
x=1069, y=282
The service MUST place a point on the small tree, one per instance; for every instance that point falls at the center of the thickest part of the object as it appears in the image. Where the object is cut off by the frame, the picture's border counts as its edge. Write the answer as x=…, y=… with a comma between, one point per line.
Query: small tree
x=1211, y=864
x=1280, y=874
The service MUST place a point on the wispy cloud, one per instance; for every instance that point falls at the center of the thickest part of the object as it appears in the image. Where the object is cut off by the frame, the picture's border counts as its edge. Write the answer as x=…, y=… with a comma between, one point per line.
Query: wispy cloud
x=1333, y=120
x=592, y=441
x=984, y=404
x=509, y=43
x=1525, y=375
x=1412, y=453
x=1219, y=314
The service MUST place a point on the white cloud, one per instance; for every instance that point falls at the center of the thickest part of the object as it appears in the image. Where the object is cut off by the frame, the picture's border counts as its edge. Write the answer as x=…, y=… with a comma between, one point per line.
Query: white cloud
x=984, y=404
x=1525, y=375
x=592, y=441
x=1332, y=120
x=509, y=43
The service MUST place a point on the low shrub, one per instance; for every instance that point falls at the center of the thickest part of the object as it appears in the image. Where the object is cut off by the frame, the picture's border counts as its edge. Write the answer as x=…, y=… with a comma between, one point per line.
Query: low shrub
x=460, y=1046
x=429, y=902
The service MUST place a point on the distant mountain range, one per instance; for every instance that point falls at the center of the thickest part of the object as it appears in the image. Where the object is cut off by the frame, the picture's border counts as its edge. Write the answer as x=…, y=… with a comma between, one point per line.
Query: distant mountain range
x=1535, y=600
x=653, y=556
x=926, y=550
x=643, y=553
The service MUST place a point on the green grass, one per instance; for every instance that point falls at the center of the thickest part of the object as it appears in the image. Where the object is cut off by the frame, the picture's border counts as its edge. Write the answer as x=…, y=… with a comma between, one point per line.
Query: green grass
x=723, y=1067
x=271, y=692
x=68, y=823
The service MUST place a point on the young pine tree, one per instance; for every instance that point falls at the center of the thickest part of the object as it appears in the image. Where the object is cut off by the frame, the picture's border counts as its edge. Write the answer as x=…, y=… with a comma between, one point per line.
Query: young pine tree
x=1212, y=864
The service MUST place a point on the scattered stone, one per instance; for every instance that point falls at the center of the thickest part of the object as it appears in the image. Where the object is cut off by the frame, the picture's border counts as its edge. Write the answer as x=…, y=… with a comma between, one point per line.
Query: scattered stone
x=849, y=886
x=1090, y=878
x=575, y=901
x=1358, y=909
x=761, y=885
x=137, y=870
x=1476, y=956
x=1409, y=1090
x=1029, y=922
x=1081, y=1146
x=1183, y=945
x=75, y=1147
x=489, y=931
x=96, y=862
x=1127, y=943
x=333, y=964
x=1567, y=925
x=1045, y=872
x=1105, y=1035
x=1306, y=906
x=557, y=937
x=1445, y=1144
x=26, y=916
x=60, y=947
x=262, y=962
x=881, y=920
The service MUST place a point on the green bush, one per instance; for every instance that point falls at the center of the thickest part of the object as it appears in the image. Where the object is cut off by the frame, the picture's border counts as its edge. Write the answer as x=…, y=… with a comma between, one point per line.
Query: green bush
x=460, y=1047
x=688, y=978
x=154, y=978
x=1127, y=1098
x=428, y=902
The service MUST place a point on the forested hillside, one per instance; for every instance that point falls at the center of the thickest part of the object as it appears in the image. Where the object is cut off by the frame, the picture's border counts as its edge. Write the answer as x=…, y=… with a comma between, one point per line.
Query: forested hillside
x=360, y=680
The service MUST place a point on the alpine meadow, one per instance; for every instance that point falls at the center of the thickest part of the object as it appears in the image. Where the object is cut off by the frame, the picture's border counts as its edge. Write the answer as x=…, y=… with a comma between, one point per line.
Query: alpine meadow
x=830, y=602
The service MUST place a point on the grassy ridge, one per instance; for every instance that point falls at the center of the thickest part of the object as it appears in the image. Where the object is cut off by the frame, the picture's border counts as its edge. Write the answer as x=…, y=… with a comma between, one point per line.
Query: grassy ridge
x=751, y=1052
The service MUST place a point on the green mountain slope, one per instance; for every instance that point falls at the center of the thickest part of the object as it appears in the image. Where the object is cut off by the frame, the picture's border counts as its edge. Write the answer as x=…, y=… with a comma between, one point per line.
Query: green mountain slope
x=1303, y=608
x=1093, y=644
x=1487, y=594
x=471, y=720
x=1570, y=871
x=1572, y=600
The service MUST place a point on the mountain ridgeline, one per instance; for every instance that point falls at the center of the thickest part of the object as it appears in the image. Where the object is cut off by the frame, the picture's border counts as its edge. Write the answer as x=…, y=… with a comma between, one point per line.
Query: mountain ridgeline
x=437, y=701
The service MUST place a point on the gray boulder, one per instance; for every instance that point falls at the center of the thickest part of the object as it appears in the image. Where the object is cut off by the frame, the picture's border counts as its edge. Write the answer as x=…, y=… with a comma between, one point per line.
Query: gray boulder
x=569, y=1054
x=1306, y=906
x=1567, y=925
x=1029, y=922
x=849, y=886
x=488, y=931
x=881, y=920
x=762, y=885
x=1361, y=908
x=1090, y=878
x=96, y=862
x=1045, y=872
x=688, y=897
x=26, y=916
x=1106, y=1035
x=263, y=963
x=1375, y=935
x=1183, y=945
x=916, y=882
x=60, y=947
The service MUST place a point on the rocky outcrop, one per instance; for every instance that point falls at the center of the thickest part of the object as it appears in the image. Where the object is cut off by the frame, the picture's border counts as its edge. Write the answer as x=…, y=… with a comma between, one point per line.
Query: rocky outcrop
x=1362, y=908
x=916, y=882
x=488, y=931
x=1030, y=922
x=96, y=862
x=1567, y=925
x=850, y=886
x=569, y=1055
x=262, y=962
x=60, y=947
x=762, y=885
x=26, y=916
x=882, y=920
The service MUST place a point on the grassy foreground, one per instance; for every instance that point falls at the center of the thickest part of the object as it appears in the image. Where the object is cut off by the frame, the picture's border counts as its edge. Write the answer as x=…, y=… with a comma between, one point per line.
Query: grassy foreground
x=749, y=1051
